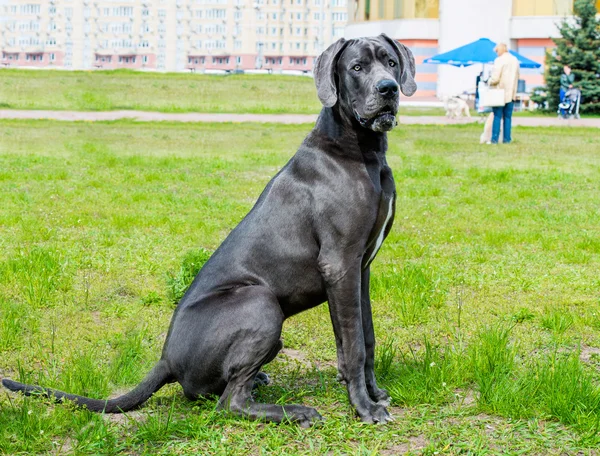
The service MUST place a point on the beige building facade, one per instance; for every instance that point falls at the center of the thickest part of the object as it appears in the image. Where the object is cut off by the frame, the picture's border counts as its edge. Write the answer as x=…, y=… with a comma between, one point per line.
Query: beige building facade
x=429, y=27
x=169, y=35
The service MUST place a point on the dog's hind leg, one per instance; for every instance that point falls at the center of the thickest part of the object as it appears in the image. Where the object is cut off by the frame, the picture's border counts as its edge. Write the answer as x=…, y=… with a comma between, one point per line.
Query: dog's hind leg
x=249, y=352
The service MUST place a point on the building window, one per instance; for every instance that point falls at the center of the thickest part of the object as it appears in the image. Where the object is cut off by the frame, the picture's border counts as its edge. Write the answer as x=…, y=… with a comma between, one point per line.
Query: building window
x=30, y=9
x=338, y=32
x=123, y=11
x=216, y=13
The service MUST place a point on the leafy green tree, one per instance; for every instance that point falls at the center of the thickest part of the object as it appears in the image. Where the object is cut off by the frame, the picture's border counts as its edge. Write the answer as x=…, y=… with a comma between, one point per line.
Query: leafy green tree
x=579, y=48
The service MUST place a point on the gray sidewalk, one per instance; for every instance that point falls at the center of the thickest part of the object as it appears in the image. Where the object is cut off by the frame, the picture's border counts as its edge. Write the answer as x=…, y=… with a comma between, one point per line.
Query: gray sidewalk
x=145, y=116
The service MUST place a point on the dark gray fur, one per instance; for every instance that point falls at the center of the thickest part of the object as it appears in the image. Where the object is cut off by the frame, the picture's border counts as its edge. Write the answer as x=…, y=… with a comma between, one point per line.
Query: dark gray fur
x=310, y=238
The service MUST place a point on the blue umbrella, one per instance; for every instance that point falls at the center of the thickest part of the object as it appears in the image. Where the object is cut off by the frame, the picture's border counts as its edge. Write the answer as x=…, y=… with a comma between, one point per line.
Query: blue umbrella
x=480, y=51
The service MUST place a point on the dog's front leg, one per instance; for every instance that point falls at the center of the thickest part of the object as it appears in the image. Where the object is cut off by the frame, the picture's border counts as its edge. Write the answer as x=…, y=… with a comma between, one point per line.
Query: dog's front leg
x=377, y=394
x=344, y=296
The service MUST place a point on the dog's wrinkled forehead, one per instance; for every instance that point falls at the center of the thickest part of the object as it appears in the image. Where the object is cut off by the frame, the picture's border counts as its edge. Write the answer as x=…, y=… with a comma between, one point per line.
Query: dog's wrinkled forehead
x=366, y=49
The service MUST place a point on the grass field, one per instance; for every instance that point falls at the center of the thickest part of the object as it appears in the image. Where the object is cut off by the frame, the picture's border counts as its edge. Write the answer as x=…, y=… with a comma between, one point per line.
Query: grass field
x=486, y=300
x=172, y=92
x=165, y=92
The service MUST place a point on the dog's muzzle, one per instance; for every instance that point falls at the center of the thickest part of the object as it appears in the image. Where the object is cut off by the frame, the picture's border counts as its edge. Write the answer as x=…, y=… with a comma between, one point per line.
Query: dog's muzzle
x=384, y=120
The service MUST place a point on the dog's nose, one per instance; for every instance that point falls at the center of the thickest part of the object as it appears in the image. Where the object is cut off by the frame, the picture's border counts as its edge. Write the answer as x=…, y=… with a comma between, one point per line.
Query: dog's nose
x=387, y=88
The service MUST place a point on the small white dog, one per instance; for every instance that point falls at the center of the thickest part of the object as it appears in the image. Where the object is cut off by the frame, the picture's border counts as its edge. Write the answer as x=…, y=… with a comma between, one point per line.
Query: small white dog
x=486, y=136
x=456, y=107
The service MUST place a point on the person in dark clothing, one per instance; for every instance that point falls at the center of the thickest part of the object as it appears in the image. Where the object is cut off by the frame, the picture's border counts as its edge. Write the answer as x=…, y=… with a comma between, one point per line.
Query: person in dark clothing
x=566, y=81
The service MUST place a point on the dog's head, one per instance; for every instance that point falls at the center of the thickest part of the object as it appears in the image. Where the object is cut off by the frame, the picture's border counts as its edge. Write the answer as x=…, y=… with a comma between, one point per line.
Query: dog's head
x=363, y=76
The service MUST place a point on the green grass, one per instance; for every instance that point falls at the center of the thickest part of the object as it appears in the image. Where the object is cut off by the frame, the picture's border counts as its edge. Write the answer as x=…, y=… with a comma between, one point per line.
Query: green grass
x=164, y=92
x=171, y=92
x=485, y=294
x=103, y=90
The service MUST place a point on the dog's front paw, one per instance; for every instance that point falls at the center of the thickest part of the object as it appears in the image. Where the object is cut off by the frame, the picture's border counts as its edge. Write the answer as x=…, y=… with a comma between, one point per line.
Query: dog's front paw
x=304, y=416
x=375, y=414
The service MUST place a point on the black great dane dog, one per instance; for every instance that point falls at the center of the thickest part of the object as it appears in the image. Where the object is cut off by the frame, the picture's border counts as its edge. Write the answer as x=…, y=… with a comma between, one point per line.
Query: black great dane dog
x=310, y=238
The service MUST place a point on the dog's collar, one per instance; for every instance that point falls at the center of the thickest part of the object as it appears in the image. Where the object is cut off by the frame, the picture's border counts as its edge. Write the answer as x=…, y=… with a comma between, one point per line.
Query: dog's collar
x=361, y=120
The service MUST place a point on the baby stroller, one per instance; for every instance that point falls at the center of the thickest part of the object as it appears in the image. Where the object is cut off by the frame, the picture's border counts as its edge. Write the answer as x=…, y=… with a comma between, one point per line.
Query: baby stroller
x=568, y=108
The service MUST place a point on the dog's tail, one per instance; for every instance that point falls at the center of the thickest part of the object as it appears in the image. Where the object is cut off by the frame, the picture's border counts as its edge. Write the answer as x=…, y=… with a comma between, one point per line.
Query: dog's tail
x=156, y=379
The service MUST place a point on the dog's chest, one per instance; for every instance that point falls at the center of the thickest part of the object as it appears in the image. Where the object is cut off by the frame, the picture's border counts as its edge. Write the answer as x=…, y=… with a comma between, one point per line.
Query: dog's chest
x=385, y=216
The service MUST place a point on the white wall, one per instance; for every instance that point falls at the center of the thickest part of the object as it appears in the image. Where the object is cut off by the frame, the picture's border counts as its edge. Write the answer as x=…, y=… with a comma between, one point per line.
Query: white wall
x=464, y=21
x=536, y=27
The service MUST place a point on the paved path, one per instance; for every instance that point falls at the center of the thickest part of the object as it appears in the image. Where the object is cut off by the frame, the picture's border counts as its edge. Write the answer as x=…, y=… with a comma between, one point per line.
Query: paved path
x=145, y=116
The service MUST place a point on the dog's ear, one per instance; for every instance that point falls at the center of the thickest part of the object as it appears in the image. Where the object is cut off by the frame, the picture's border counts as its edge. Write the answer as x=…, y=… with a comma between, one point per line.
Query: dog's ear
x=324, y=72
x=408, y=86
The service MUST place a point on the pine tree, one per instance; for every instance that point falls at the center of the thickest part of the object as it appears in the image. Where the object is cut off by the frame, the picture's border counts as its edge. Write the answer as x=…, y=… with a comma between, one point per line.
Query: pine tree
x=579, y=48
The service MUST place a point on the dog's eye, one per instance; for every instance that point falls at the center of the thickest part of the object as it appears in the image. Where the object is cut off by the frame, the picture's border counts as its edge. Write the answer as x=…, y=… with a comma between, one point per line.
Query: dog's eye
x=392, y=63
x=357, y=68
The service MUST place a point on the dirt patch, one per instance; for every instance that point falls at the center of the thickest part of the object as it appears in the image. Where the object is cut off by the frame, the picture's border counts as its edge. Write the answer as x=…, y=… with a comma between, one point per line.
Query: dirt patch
x=65, y=447
x=398, y=412
x=465, y=398
x=298, y=357
x=414, y=443
x=588, y=354
x=125, y=418
x=97, y=317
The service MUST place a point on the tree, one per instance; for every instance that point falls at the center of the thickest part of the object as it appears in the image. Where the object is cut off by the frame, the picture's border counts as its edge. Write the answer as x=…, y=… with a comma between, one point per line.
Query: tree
x=579, y=48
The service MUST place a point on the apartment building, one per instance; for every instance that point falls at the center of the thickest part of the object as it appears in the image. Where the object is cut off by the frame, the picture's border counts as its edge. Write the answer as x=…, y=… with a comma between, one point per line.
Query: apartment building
x=430, y=27
x=169, y=35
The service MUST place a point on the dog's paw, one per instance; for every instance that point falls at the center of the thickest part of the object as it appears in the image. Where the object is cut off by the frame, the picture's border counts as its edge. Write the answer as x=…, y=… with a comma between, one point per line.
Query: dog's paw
x=304, y=416
x=261, y=379
x=375, y=414
x=381, y=397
